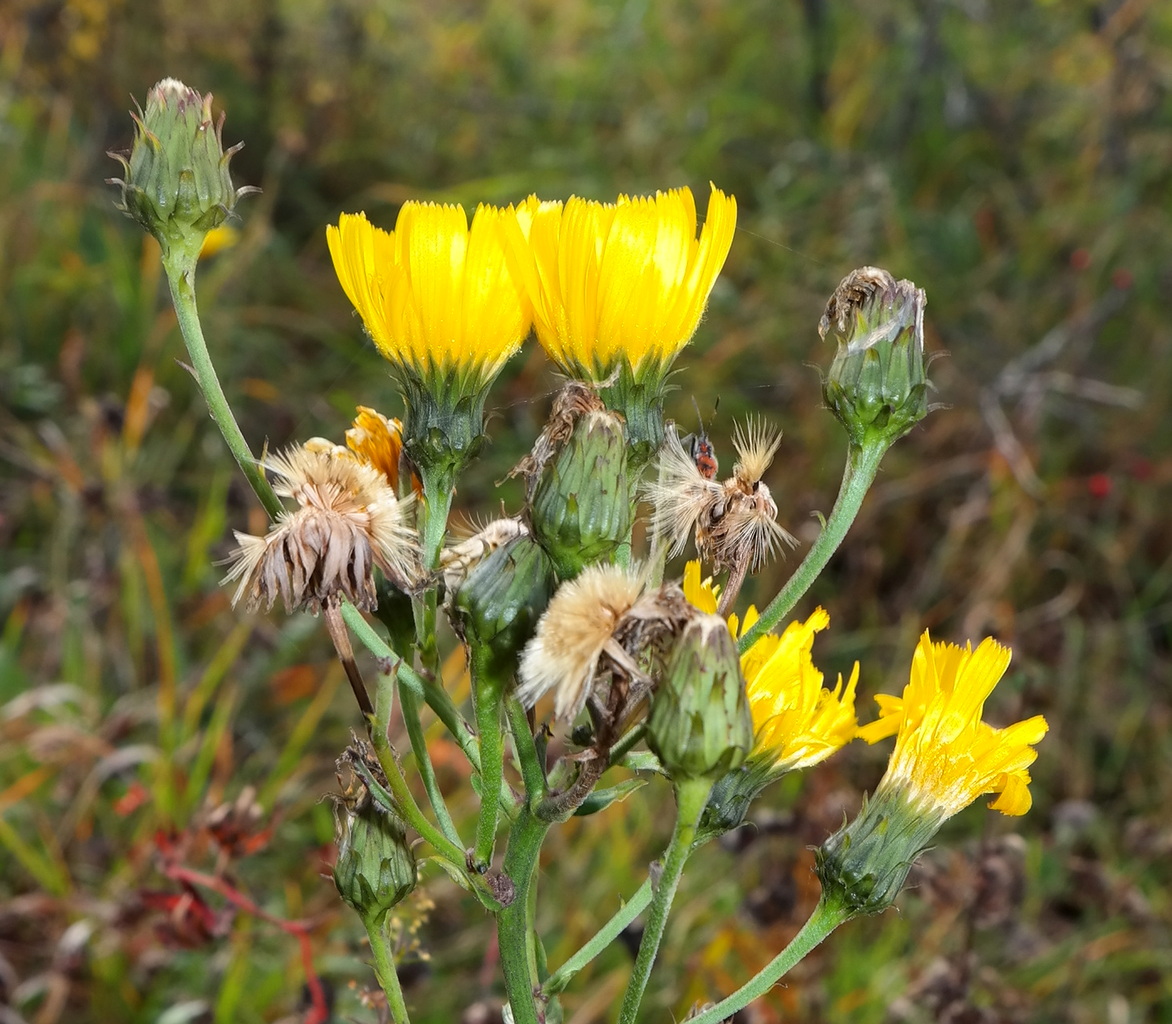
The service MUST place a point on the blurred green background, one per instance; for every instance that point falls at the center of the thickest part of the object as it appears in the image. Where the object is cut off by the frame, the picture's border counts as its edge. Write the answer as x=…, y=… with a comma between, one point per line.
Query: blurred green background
x=1015, y=160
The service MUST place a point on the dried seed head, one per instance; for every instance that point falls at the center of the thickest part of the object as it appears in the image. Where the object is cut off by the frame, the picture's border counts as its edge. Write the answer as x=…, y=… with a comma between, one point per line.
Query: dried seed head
x=735, y=521
x=460, y=559
x=577, y=627
x=348, y=520
x=756, y=443
x=741, y=528
x=680, y=495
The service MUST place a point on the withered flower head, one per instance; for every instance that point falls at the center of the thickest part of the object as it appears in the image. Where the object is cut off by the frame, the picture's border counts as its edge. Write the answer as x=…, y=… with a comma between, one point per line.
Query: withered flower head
x=571, y=403
x=577, y=627
x=736, y=521
x=347, y=521
x=378, y=440
x=460, y=559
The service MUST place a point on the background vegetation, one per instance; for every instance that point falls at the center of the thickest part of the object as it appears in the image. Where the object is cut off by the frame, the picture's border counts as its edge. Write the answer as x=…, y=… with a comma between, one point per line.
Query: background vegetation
x=162, y=758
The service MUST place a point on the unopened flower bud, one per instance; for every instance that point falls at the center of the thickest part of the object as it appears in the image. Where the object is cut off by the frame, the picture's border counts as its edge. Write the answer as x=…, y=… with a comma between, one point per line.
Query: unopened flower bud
x=498, y=605
x=582, y=507
x=375, y=869
x=700, y=724
x=876, y=385
x=177, y=183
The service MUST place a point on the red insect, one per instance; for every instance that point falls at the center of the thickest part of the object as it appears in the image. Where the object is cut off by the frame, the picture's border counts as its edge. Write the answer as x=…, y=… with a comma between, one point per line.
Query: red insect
x=700, y=449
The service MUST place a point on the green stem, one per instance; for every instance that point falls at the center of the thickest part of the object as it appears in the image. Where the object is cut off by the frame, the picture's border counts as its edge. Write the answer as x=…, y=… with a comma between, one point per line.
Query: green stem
x=861, y=466
x=420, y=686
x=691, y=796
x=517, y=944
x=488, y=690
x=610, y=931
x=433, y=518
x=532, y=769
x=411, y=719
x=181, y=275
x=384, y=969
x=408, y=808
x=822, y=922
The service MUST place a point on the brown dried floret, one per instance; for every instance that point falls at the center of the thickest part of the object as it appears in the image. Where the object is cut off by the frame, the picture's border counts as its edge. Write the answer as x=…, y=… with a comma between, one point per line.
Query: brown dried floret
x=348, y=520
x=573, y=401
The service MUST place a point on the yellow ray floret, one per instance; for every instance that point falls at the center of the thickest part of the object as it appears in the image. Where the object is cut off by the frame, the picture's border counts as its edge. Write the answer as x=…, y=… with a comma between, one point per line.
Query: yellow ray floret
x=614, y=282
x=797, y=721
x=945, y=756
x=435, y=295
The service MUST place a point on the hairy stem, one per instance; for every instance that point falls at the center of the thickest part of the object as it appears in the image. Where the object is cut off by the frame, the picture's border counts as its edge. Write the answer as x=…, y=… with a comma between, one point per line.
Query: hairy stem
x=180, y=276
x=826, y=917
x=384, y=968
x=861, y=466
x=610, y=931
x=518, y=948
x=528, y=759
x=691, y=796
x=411, y=681
x=488, y=689
x=405, y=803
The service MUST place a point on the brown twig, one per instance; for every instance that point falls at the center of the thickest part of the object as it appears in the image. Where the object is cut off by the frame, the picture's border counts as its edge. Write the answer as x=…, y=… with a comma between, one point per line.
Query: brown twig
x=341, y=637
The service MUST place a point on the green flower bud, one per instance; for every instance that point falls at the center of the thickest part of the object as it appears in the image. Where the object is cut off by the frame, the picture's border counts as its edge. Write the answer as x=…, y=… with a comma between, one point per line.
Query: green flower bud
x=732, y=796
x=498, y=605
x=177, y=184
x=877, y=385
x=700, y=723
x=375, y=869
x=582, y=507
x=864, y=865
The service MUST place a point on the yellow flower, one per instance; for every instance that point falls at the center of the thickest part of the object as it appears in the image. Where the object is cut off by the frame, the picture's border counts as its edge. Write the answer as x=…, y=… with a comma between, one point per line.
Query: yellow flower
x=945, y=756
x=797, y=721
x=219, y=239
x=435, y=294
x=615, y=283
x=701, y=594
x=438, y=300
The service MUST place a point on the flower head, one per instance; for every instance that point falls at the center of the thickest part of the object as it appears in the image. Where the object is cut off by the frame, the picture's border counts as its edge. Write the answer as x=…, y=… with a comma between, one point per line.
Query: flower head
x=377, y=440
x=945, y=756
x=699, y=724
x=348, y=520
x=177, y=184
x=438, y=301
x=618, y=289
x=876, y=385
x=798, y=721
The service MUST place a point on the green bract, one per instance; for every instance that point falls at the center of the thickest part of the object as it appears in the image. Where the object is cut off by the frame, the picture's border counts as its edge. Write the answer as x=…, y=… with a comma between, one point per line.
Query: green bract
x=177, y=183
x=581, y=509
x=700, y=723
x=863, y=866
x=375, y=869
x=876, y=385
x=498, y=605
